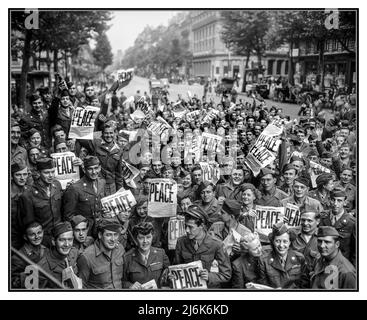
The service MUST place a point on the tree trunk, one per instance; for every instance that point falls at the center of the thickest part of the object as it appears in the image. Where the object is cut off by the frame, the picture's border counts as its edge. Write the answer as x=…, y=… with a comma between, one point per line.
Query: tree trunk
x=244, y=74
x=321, y=65
x=25, y=67
x=259, y=65
x=56, y=61
x=290, y=65
x=48, y=62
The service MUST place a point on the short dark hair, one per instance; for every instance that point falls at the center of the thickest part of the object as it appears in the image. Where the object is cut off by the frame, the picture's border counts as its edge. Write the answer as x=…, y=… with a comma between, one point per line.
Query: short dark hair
x=143, y=228
x=33, y=224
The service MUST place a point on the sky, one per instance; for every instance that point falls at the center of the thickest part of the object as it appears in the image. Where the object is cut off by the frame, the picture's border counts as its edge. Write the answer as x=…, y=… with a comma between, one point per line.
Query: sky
x=126, y=26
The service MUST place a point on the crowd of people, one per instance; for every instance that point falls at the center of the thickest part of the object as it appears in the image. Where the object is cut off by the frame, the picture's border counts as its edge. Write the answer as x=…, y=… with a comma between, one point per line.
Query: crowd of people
x=76, y=244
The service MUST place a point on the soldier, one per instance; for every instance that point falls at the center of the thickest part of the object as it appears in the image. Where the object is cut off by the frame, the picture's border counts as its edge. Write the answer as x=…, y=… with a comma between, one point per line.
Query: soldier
x=305, y=239
x=271, y=195
x=144, y=263
x=332, y=270
x=231, y=189
x=300, y=196
x=42, y=202
x=18, y=153
x=343, y=222
x=109, y=155
x=83, y=197
x=61, y=256
x=199, y=245
x=19, y=175
x=32, y=249
x=37, y=118
x=345, y=183
x=208, y=202
x=289, y=174
x=101, y=264
x=325, y=184
x=282, y=267
x=80, y=230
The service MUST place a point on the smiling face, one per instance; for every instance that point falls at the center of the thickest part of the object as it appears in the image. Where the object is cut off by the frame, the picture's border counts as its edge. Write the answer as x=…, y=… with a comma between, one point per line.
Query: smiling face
x=108, y=135
x=15, y=135
x=20, y=177
x=34, y=235
x=92, y=172
x=142, y=210
x=237, y=176
x=64, y=243
x=309, y=222
x=248, y=197
x=299, y=189
x=281, y=244
x=37, y=105
x=109, y=239
x=144, y=241
x=289, y=176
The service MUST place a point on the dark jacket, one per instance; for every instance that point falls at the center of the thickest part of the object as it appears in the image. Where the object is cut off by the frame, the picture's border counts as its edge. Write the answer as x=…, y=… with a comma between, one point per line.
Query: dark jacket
x=245, y=269
x=136, y=271
x=36, y=205
x=274, y=275
x=208, y=250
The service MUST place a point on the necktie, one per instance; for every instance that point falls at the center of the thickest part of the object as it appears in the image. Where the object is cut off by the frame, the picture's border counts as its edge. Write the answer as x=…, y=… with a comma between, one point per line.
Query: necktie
x=48, y=191
x=145, y=260
x=282, y=261
x=95, y=186
x=333, y=220
x=196, y=246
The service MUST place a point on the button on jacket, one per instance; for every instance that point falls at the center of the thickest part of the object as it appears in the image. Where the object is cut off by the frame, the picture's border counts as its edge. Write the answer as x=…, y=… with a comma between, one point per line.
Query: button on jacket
x=36, y=205
x=98, y=271
x=208, y=250
x=273, y=274
x=136, y=271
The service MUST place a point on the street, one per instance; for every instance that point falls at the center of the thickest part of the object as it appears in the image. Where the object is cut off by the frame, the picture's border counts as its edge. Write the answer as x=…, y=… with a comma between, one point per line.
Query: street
x=142, y=84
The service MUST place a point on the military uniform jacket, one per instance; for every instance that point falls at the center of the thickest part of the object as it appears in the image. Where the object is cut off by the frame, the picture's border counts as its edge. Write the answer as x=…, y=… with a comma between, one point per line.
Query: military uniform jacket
x=351, y=192
x=309, y=204
x=16, y=222
x=136, y=271
x=346, y=227
x=82, y=246
x=111, y=169
x=324, y=200
x=36, y=205
x=274, y=275
x=19, y=154
x=98, y=271
x=208, y=250
x=274, y=199
x=212, y=209
x=245, y=269
x=54, y=263
x=338, y=273
x=228, y=191
x=308, y=249
x=80, y=198
x=38, y=121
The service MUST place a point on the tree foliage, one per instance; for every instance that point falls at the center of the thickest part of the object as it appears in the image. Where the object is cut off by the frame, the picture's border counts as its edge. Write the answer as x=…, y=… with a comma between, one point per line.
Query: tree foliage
x=103, y=52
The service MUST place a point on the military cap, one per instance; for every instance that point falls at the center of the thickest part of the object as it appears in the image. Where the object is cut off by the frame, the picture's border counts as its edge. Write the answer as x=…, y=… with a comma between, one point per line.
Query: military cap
x=289, y=166
x=61, y=228
x=45, y=163
x=77, y=220
x=56, y=128
x=13, y=123
x=326, y=231
x=110, y=224
x=59, y=140
x=17, y=166
x=194, y=211
x=313, y=153
x=266, y=171
x=70, y=84
x=90, y=161
x=143, y=165
x=304, y=180
x=44, y=90
x=323, y=179
x=34, y=97
x=32, y=131
x=296, y=158
x=232, y=207
x=326, y=154
x=166, y=168
x=124, y=135
x=64, y=93
x=279, y=229
x=338, y=193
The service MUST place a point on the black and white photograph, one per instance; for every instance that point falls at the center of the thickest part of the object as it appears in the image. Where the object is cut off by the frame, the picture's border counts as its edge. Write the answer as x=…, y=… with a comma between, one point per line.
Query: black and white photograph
x=173, y=150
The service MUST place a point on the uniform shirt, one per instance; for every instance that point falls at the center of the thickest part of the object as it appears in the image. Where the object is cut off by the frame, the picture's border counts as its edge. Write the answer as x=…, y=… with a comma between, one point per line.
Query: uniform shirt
x=309, y=204
x=308, y=249
x=212, y=209
x=136, y=270
x=82, y=246
x=346, y=226
x=351, y=192
x=338, y=269
x=18, y=265
x=81, y=199
x=36, y=205
x=273, y=199
x=54, y=263
x=208, y=250
x=100, y=271
x=273, y=274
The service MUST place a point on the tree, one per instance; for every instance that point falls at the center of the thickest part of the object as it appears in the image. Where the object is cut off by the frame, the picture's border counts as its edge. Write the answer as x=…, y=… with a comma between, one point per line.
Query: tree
x=103, y=52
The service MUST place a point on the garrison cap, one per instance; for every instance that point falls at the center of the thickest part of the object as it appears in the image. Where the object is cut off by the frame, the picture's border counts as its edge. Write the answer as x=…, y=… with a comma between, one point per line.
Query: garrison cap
x=326, y=231
x=61, y=228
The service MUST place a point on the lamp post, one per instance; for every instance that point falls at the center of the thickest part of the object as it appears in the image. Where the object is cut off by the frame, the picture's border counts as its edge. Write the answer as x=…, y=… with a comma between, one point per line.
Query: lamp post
x=229, y=58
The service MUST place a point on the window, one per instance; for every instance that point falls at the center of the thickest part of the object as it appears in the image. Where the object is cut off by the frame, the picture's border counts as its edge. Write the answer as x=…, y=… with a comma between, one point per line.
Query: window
x=217, y=70
x=279, y=66
x=286, y=67
x=270, y=66
x=225, y=70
